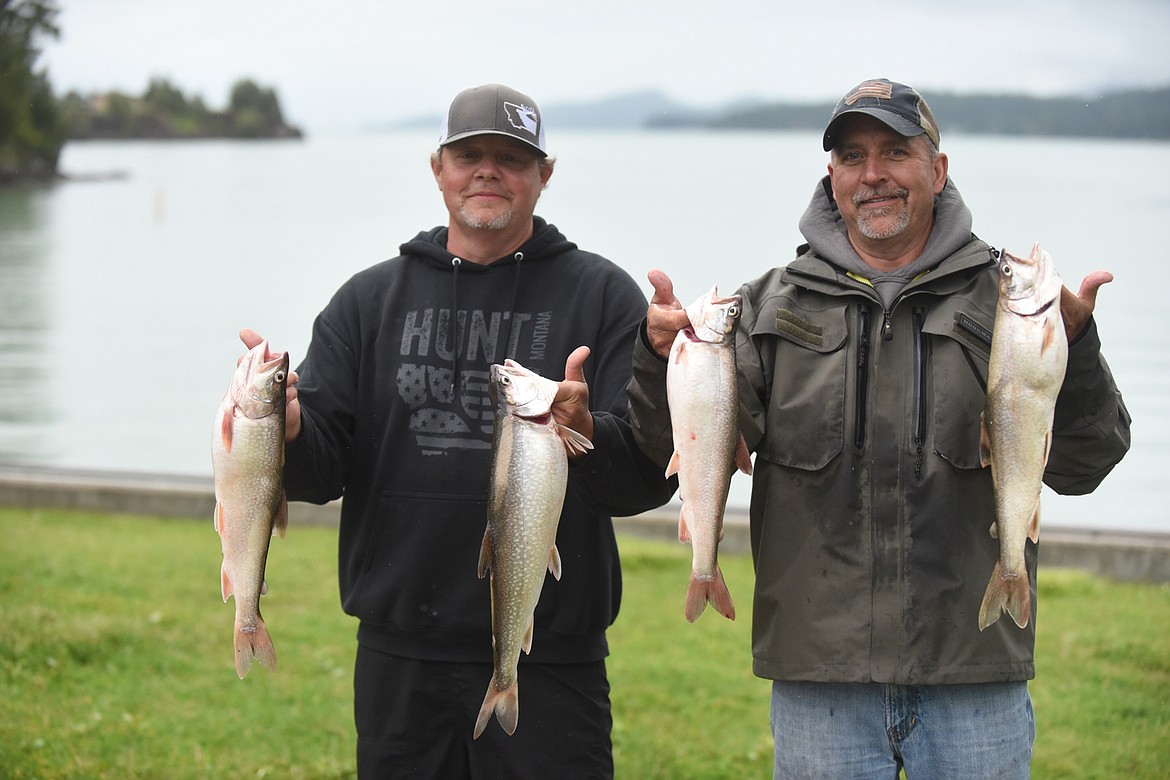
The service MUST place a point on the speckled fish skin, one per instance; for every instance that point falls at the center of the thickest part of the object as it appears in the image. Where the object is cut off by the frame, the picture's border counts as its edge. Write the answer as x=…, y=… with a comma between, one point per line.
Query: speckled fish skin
x=701, y=389
x=247, y=446
x=1029, y=354
x=528, y=481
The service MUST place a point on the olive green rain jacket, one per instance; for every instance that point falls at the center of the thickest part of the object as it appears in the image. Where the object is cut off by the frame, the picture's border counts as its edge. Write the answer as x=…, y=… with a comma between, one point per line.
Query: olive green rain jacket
x=870, y=511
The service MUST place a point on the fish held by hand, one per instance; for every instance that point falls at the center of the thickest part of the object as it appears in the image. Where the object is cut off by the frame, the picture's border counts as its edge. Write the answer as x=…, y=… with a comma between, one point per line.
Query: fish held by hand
x=1029, y=355
x=247, y=446
x=702, y=393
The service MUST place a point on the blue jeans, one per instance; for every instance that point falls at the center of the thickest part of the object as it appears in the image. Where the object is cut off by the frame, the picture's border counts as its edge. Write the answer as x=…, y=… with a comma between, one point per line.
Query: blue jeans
x=868, y=731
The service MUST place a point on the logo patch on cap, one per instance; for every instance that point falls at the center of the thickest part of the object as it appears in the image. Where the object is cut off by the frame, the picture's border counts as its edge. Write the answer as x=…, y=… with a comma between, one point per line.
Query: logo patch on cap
x=871, y=89
x=521, y=117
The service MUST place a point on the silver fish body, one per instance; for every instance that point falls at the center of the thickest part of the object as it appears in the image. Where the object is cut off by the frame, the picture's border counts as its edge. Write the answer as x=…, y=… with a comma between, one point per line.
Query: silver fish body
x=1029, y=354
x=528, y=482
x=701, y=389
x=247, y=446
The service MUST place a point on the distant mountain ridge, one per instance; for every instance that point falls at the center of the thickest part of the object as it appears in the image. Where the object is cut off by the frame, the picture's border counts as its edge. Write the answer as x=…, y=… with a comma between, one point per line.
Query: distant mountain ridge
x=1129, y=114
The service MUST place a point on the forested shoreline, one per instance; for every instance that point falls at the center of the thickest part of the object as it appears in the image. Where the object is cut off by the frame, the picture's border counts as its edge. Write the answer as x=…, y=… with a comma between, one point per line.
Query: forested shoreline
x=35, y=124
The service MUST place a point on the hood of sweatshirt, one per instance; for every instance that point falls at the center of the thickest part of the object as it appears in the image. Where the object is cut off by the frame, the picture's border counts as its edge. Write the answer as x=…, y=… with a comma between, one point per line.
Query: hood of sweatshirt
x=430, y=246
x=545, y=241
x=824, y=229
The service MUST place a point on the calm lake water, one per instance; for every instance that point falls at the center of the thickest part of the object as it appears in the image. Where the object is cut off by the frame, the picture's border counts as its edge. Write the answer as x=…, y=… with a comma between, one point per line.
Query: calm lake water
x=120, y=298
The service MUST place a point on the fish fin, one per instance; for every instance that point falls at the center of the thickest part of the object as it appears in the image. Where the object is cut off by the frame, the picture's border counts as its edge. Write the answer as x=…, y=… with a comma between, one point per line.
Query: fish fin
x=993, y=531
x=280, y=522
x=263, y=587
x=485, y=554
x=684, y=533
x=217, y=518
x=225, y=428
x=527, y=644
x=672, y=466
x=1008, y=592
x=253, y=644
x=225, y=582
x=1050, y=335
x=505, y=704
x=554, y=563
x=984, y=441
x=711, y=589
x=743, y=458
x=574, y=442
x=1034, y=525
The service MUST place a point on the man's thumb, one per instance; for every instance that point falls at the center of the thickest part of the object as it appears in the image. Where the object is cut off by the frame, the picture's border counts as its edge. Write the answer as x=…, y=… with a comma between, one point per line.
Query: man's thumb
x=663, y=289
x=575, y=365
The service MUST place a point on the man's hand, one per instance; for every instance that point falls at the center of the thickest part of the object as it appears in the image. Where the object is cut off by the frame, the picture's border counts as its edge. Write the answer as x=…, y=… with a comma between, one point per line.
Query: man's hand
x=1077, y=309
x=666, y=316
x=570, y=406
x=292, y=407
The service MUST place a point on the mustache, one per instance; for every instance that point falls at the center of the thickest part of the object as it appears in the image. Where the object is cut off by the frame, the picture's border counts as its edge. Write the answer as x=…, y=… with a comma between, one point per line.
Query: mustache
x=491, y=190
x=889, y=192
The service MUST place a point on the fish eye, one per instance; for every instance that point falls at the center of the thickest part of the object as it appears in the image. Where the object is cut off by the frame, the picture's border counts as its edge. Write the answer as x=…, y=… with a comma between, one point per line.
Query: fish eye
x=279, y=376
x=1005, y=269
x=732, y=311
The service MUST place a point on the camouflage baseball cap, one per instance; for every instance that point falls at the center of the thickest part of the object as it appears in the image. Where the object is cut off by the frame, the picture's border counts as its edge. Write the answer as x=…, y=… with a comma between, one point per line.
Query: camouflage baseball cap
x=897, y=105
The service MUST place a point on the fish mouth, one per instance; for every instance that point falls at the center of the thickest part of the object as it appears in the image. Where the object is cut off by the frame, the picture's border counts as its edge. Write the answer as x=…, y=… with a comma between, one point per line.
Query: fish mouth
x=523, y=397
x=266, y=359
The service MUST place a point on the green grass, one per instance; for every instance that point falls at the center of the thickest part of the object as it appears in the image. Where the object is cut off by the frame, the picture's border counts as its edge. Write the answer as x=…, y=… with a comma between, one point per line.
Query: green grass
x=116, y=662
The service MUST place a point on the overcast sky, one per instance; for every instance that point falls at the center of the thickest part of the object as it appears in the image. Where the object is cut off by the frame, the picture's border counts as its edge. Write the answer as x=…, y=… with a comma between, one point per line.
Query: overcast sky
x=350, y=64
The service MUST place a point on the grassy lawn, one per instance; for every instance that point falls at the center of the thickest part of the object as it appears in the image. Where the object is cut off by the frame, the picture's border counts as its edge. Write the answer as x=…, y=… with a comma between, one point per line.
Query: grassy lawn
x=115, y=662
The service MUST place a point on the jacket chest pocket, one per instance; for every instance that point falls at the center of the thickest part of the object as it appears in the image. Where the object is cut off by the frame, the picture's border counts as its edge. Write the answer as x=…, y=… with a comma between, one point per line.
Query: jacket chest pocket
x=804, y=349
x=959, y=353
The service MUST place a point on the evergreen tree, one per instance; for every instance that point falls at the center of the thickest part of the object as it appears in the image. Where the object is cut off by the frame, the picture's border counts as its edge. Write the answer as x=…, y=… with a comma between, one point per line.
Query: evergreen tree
x=31, y=135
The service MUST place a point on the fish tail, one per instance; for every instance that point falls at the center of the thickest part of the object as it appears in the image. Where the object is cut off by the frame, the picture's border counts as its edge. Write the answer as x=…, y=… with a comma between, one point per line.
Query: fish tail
x=704, y=589
x=1006, y=592
x=505, y=704
x=253, y=642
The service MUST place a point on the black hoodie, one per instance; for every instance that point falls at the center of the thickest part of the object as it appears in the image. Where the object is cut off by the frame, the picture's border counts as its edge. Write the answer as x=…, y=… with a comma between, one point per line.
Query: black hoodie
x=396, y=419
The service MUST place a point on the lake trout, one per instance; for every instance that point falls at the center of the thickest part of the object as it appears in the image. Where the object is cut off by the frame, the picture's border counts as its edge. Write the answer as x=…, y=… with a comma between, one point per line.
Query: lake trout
x=247, y=456
x=530, y=471
x=701, y=390
x=1029, y=354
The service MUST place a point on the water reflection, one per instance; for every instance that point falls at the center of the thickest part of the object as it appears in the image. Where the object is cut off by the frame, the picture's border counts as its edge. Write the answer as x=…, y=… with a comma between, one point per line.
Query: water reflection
x=24, y=322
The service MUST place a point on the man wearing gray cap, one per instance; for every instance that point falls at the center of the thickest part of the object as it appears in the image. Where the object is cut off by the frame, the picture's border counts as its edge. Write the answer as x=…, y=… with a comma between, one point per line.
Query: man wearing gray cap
x=391, y=414
x=862, y=374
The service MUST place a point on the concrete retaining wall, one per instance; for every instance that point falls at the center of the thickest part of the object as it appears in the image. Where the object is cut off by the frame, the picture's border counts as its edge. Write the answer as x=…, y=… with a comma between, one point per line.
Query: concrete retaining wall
x=1120, y=555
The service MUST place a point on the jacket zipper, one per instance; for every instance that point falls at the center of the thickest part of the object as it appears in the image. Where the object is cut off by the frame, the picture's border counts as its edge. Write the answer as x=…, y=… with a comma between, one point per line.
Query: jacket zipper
x=862, y=377
x=919, y=432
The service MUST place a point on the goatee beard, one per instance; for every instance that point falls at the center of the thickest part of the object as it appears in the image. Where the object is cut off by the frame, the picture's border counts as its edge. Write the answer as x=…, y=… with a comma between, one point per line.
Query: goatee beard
x=865, y=223
x=495, y=222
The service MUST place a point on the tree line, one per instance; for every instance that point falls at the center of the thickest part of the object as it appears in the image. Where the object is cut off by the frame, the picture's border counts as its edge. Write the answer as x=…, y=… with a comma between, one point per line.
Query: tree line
x=34, y=124
x=1128, y=114
x=163, y=111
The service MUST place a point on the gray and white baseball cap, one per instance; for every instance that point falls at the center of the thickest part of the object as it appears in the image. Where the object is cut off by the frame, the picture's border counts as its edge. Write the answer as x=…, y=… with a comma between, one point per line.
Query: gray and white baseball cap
x=497, y=110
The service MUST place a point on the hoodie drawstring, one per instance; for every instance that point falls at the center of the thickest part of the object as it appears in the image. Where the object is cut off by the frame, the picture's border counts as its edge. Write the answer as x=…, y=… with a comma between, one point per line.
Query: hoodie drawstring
x=519, y=256
x=455, y=263
x=455, y=348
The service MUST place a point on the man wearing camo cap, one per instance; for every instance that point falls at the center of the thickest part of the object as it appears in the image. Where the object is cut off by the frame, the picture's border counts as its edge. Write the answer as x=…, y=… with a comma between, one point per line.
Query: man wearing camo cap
x=862, y=373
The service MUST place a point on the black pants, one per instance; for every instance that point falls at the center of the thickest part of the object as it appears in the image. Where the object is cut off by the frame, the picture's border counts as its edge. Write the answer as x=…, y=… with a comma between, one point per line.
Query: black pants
x=415, y=719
